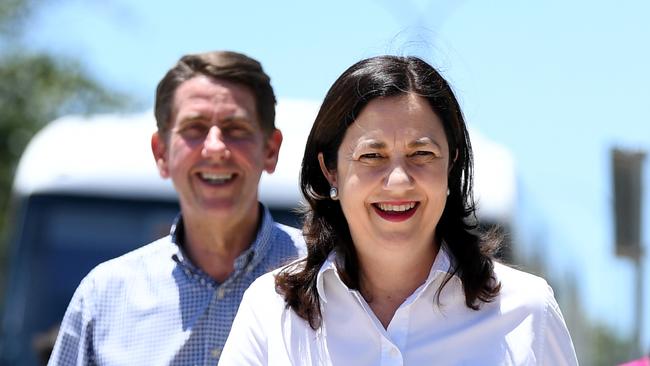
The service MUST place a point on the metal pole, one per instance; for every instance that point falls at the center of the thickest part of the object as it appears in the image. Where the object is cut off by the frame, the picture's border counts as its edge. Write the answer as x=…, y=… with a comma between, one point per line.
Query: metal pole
x=639, y=303
x=628, y=185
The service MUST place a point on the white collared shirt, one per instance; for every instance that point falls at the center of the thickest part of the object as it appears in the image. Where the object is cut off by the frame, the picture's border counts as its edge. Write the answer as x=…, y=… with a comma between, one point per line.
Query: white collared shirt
x=522, y=326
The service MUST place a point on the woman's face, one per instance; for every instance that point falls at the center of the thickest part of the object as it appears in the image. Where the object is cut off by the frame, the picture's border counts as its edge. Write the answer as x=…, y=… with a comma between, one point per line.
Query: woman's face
x=392, y=175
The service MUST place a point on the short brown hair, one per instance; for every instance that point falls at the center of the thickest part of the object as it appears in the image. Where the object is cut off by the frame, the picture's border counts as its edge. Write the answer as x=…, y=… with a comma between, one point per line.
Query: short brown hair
x=226, y=65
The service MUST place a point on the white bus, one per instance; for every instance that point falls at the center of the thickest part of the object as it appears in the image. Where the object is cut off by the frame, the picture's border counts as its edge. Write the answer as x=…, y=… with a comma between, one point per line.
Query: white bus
x=87, y=190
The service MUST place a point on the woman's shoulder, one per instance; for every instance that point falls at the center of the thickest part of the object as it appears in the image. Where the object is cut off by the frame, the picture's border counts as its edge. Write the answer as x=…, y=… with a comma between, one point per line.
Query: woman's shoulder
x=524, y=294
x=521, y=286
x=517, y=277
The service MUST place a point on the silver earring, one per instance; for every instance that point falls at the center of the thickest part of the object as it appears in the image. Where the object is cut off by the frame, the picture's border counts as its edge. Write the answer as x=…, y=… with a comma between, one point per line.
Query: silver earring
x=334, y=194
x=447, y=191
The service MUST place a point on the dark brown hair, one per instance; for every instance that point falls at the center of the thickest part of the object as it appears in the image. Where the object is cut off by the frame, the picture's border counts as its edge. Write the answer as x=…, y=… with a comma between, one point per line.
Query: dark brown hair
x=226, y=65
x=326, y=228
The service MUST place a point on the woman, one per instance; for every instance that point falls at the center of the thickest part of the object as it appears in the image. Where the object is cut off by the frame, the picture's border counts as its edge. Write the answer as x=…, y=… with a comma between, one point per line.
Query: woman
x=396, y=272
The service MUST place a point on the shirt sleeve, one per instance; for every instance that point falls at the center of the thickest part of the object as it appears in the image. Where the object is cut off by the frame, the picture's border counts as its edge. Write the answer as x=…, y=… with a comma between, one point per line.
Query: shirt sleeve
x=247, y=342
x=558, y=348
x=74, y=342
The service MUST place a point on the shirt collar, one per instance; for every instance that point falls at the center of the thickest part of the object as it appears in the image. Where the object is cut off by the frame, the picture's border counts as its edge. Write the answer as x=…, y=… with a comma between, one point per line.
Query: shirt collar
x=260, y=246
x=328, y=266
x=176, y=232
x=443, y=264
x=249, y=258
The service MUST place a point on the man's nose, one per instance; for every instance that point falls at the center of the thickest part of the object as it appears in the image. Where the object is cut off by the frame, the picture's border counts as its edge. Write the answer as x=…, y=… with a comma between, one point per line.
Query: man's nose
x=214, y=145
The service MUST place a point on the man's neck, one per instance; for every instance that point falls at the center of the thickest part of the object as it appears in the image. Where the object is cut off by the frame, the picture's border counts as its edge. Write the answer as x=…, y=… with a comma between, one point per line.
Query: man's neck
x=214, y=245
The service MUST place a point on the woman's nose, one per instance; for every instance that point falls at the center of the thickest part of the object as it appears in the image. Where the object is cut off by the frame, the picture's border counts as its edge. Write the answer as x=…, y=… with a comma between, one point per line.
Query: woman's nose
x=398, y=177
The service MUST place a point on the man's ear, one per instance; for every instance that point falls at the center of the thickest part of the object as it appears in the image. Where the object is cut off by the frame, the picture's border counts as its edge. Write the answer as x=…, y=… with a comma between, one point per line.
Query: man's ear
x=272, y=151
x=330, y=175
x=159, y=150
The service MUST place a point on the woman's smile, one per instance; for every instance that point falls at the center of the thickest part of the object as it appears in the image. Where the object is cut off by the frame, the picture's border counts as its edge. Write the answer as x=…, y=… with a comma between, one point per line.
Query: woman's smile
x=396, y=211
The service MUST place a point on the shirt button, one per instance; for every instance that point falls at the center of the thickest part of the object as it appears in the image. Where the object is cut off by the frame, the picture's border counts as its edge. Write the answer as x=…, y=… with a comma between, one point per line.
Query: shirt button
x=216, y=352
x=221, y=293
x=394, y=352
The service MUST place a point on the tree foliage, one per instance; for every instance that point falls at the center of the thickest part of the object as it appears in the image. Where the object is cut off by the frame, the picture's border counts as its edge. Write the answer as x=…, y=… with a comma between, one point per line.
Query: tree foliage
x=608, y=348
x=36, y=88
x=12, y=15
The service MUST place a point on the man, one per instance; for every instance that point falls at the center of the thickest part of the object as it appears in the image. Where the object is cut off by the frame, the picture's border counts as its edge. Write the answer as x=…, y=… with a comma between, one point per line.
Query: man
x=173, y=301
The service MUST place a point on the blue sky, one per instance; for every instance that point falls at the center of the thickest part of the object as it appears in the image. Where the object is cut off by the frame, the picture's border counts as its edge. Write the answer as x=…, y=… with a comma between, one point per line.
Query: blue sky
x=558, y=83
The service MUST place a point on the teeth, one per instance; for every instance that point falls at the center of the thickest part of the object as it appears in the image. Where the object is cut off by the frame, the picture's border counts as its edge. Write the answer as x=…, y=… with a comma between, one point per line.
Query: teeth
x=396, y=208
x=215, y=177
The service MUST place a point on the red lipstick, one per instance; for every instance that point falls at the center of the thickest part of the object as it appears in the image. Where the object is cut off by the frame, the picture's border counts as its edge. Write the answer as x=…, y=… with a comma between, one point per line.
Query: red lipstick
x=395, y=216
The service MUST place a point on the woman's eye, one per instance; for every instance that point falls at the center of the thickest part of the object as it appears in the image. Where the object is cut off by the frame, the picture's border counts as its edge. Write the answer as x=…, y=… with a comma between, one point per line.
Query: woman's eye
x=423, y=156
x=423, y=153
x=370, y=156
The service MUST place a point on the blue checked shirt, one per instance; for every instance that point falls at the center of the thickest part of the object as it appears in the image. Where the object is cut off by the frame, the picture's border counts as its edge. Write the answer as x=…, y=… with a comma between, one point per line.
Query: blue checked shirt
x=152, y=306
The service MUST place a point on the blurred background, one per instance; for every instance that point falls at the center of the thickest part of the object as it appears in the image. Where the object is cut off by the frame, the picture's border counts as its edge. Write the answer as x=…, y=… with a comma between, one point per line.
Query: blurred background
x=561, y=88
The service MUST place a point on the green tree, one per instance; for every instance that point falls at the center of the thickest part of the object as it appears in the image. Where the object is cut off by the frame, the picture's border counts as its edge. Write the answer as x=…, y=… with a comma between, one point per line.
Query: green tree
x=36, y=88
x=608, y=348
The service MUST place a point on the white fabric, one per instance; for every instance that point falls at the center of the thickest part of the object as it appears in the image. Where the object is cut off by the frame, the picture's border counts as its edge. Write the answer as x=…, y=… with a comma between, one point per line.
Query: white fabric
x=522, y=326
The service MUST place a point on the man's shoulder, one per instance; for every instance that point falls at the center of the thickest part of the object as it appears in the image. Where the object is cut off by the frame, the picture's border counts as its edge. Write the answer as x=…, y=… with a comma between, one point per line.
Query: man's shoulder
x=162, y=247
x=137, y=262
x=289, y=238
x=293, y=234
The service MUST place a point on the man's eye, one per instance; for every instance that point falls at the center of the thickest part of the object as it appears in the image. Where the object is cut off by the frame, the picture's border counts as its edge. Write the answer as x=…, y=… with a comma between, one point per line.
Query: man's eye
x=236, y=131
x=193, y=131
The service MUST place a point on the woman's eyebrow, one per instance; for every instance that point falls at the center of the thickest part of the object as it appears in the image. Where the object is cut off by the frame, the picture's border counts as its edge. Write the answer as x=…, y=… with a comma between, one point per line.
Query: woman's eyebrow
x=372, y=144
x=422, y=142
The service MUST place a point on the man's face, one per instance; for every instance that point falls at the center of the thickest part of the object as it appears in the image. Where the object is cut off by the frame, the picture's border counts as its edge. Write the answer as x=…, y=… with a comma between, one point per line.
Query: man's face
x=216, y=150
